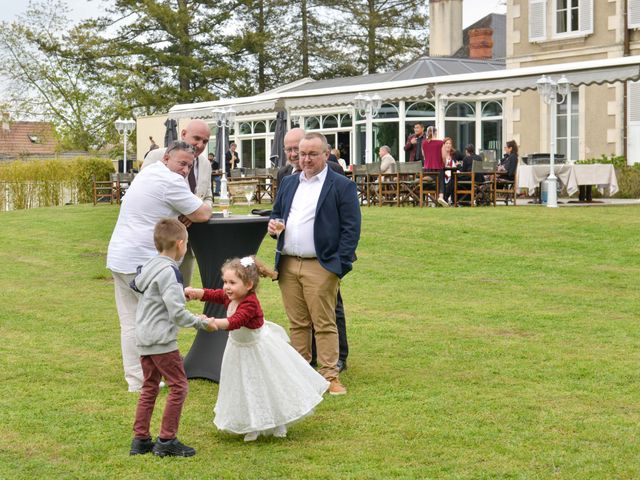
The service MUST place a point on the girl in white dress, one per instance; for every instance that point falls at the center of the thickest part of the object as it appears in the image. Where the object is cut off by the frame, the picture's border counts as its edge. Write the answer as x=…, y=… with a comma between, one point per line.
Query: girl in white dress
x=265, y=385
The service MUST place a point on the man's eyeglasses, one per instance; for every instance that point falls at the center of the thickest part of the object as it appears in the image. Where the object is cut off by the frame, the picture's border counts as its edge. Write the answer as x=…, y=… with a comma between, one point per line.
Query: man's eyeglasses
x=291, y=149
x=311, y=155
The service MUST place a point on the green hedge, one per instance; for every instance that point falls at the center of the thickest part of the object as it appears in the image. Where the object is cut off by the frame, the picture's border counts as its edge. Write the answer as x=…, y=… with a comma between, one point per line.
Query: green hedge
x=26, y=184
x=628, y=175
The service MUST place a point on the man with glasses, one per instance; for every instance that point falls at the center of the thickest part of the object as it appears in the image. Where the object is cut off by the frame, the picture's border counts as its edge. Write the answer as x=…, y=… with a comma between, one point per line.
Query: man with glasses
x=196, y=134
x=159, y=191
x=291, y=143
x=315, y=250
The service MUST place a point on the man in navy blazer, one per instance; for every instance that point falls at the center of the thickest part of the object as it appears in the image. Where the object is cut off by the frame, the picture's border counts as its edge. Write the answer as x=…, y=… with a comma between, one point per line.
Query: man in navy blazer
x=315, y=250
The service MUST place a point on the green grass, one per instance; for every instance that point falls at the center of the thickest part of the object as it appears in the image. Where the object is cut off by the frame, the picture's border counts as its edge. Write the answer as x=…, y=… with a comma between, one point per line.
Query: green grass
x=485, y=343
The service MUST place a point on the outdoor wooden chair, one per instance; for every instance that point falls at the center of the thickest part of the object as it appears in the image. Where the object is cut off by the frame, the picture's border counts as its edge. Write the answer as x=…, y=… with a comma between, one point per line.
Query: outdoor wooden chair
x=410, y=181
x=470, y=185
x=121, y=183
x=388, y=189
x=506, y=189
x=373, y=172
x=264, y=187
x=103, y=191
x=431, y=187
x=360, y=178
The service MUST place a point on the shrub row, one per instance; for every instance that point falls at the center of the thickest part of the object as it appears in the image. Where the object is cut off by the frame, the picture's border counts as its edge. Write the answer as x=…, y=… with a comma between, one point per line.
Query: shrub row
x=42, y=183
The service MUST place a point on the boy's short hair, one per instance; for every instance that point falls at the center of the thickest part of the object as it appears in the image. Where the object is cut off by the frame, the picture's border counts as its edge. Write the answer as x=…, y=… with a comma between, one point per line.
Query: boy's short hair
x=167, y=232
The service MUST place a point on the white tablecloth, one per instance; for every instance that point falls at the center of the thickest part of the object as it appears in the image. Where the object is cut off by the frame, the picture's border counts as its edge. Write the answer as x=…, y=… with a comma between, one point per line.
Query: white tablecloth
x=571, y=176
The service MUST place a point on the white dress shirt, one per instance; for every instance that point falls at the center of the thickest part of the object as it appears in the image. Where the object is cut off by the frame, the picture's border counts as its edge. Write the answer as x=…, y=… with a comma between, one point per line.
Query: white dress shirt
x=298, y=234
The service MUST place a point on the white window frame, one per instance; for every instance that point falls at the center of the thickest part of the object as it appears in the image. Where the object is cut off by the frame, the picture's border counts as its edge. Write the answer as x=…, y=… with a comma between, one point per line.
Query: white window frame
x=572, y=96
x=585, y=20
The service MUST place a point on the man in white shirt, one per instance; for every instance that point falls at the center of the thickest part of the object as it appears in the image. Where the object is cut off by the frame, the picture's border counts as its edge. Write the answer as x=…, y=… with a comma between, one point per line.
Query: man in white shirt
x=157, y=192
x=196, y=134
x=315, y=250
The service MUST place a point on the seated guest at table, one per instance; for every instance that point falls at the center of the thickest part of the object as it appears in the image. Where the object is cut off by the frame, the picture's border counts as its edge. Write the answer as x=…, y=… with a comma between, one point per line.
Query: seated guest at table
x=341, y=162
x=509, y=163
x=452, y=159
x=432, y=150
x=387, y=162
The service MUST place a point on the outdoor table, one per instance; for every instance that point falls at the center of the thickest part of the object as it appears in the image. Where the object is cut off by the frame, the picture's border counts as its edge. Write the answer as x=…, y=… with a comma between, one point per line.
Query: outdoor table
x=214, y=242
x=571, y=176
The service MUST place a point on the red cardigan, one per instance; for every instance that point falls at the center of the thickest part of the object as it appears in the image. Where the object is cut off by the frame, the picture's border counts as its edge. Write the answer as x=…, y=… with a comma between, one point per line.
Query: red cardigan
x=432, y=154
x=248, y=314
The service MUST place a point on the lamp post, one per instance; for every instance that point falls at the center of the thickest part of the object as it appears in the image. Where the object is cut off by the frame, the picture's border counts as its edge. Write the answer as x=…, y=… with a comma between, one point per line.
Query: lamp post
x=553, y=94
x=368, y=107
x=124, y=127
x=224, y=118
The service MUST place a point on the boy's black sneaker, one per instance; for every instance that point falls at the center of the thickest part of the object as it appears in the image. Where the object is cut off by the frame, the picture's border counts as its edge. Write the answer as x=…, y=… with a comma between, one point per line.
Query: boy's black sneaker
x=140, y=446
x=172, y=448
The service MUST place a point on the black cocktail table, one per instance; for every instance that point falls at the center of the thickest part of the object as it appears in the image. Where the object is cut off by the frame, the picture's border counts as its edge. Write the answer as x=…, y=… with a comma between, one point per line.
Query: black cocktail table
x=213, y=243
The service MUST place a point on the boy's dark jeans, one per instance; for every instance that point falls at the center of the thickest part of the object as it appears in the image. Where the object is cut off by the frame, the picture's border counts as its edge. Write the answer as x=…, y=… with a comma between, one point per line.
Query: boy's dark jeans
x=154, y=367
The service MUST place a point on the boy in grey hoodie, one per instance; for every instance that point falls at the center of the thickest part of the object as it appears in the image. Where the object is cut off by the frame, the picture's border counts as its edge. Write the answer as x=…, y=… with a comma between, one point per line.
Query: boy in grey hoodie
x=161, y=311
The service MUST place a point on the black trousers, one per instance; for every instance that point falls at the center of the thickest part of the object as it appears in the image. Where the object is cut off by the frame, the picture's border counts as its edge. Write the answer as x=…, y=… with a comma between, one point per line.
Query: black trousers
x=341, y=323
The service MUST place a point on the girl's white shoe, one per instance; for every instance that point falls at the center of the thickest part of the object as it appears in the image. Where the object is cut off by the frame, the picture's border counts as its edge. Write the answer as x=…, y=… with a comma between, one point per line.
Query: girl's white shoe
x=251, y=436
x=280, y=431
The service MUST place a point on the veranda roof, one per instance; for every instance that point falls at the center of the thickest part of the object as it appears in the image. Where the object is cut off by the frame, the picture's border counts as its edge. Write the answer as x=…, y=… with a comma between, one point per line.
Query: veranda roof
x=307, y=93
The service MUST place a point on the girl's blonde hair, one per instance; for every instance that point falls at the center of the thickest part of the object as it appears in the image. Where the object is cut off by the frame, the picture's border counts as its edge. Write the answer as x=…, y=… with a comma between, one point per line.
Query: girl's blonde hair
x=249, y=269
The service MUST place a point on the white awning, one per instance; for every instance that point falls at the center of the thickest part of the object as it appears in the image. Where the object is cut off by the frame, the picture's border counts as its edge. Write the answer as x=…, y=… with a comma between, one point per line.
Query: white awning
x=522, y=81
x=205, y=110
x=391, y=95
x=590, y=72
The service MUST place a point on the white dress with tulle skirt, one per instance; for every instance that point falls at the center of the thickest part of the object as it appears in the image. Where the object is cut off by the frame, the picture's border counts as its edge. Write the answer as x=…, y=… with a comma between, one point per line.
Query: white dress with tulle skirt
x=265, y=384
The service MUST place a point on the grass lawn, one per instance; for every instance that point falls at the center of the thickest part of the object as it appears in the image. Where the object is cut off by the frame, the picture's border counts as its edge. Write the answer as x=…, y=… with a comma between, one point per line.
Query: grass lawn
x=485, y=343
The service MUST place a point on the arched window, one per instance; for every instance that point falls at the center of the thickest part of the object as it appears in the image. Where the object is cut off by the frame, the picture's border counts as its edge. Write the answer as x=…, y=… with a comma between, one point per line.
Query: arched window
x=245, y=128
x=312, y=123
x=388, y=110
x=491, y=109
x=460, y=110
x=259, y=127
x=421, y=109
x=346, y=120
x=329, y=121
x=272, y=126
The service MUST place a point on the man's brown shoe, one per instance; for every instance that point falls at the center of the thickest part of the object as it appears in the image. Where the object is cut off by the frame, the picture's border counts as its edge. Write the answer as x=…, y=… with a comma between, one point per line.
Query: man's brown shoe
x=336, y=388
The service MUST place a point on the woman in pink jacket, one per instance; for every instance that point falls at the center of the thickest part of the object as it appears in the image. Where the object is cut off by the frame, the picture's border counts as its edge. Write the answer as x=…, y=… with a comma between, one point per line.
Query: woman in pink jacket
x=432, y=151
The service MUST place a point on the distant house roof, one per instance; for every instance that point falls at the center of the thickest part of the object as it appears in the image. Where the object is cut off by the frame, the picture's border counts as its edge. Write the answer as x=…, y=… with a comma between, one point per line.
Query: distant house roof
x=26, y=138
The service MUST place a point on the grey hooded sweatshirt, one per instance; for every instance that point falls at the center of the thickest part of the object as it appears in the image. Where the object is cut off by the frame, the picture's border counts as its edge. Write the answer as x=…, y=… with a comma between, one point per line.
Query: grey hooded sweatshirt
x=161, y=310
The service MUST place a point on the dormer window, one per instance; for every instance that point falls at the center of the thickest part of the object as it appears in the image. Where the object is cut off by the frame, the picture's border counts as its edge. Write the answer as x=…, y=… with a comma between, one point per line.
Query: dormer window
x=35, y=139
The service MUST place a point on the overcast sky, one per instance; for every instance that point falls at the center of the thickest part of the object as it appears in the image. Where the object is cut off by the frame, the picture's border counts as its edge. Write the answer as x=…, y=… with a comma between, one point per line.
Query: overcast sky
x=473, y=9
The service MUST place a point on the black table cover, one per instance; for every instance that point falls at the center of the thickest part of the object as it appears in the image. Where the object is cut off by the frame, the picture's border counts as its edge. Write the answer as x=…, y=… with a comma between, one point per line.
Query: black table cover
x=213, y=243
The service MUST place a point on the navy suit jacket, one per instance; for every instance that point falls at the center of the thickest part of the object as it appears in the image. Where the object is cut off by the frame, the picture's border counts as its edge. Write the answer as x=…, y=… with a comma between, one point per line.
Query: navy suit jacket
x=336, y=228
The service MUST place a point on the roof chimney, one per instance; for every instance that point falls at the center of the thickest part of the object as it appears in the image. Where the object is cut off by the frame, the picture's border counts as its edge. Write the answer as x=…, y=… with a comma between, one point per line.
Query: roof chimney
x=445, y=35
x=5, y=123
x=481, y=43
